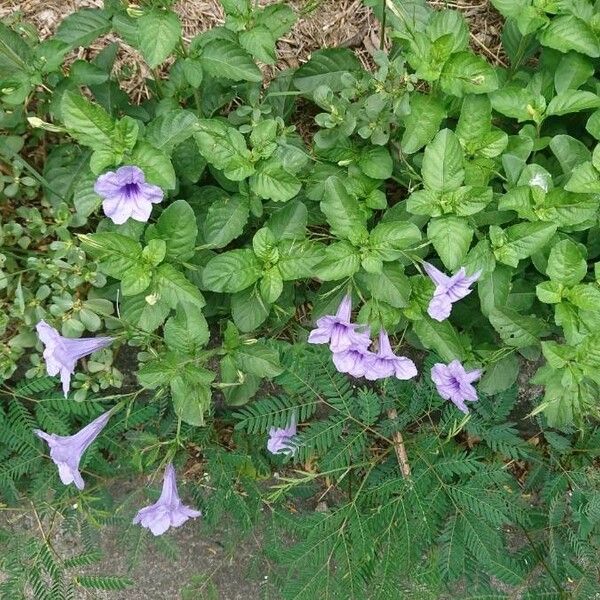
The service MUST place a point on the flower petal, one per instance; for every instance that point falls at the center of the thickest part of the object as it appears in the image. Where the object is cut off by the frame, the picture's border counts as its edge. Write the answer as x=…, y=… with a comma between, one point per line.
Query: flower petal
x=435, y=275
x=439, y=307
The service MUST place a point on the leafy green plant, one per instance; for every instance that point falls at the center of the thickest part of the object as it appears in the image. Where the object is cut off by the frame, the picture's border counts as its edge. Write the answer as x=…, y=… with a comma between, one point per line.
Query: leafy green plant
x=258, y=227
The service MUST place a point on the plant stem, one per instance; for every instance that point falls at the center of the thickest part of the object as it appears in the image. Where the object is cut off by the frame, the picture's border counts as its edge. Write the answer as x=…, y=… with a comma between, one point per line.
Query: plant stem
x=383, y=24
x=399, y=447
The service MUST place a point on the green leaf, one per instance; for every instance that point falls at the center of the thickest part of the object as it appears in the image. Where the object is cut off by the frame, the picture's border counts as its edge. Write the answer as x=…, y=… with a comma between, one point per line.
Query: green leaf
x=451, y=237
x=290, y=221
x=326, y=67
x=173, y=288
x=82, y=27
x=140, y=313
x=570, y=152
x=549, y=292
x=565, y=209
x=136, y=279
x=493, y=288
x=264, y=245
x=272, y=181
x=571, y=101
x=423, y=121
x=225, y=148
x=449, y=22
x=567, y=32
x=245, y=387
x=566, y=263
x=231, y=271
x=341, y=260
x=516, y=330
x=177, y=227
x=95, y=582
x=158, y=34
x=514, y=102
x=573, y=71
x=116, y=253
x=388, y=238
x=260, y=42
x=510, y=8
x=586, y=297
x=277, y=18
x=376, y=162
x=593, y=125
x=342, y=211
x=299, y=258
x=85, y=73
x=464, y=73
x=225, y=220
x=88, y=123
x=522, y=240
x=186, y=332
x=441, y=338
x=171, y=128
x=391, y=285
x=223, y=58
x=191, y=393
x=248, y=309
x=271, y=285
x=158, y=371
x=156, y=165
x=585, y=179
x=15, y=53
x=500, y=375
x=257, y=359
x=442, y=167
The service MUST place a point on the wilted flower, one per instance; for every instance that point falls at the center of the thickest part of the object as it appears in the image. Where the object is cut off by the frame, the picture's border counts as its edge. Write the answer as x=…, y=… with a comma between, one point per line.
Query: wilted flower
x=454, y=383
x=126, y=194
x=448, y=290
x=168, y=510
x=66, y=451
x=338, y=330
x=280, y=438
x=385, y=363
x=61, y=353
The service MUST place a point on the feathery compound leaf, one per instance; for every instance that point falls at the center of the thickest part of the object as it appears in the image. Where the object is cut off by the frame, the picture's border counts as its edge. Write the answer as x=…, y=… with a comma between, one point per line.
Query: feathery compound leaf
x=95, y=582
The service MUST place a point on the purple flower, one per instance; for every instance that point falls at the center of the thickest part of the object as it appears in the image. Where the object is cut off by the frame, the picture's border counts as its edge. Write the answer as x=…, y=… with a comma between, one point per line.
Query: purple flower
x=454, y=383
x=353, y=361
x=66, y=451
x=61, y=353
x=127, y=195
x=280, y=439
x=168, y=510
x=338, y=330
x=385, y=363
x=448, y=290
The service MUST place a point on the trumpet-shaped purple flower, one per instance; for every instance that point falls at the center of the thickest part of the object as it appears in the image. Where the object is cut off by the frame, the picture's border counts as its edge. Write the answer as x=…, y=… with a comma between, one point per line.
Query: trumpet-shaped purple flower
x=454, y=383
x=448, y=290
x=385, y=363
x=66, y=451
x=280, y=439
x=127, y=195
x=338, y=331
x=61, y=354
x=168, y=510
x=353, y=361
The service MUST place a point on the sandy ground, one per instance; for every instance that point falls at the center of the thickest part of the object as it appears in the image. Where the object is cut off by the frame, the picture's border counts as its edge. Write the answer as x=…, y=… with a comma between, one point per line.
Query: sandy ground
x=190, y=562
